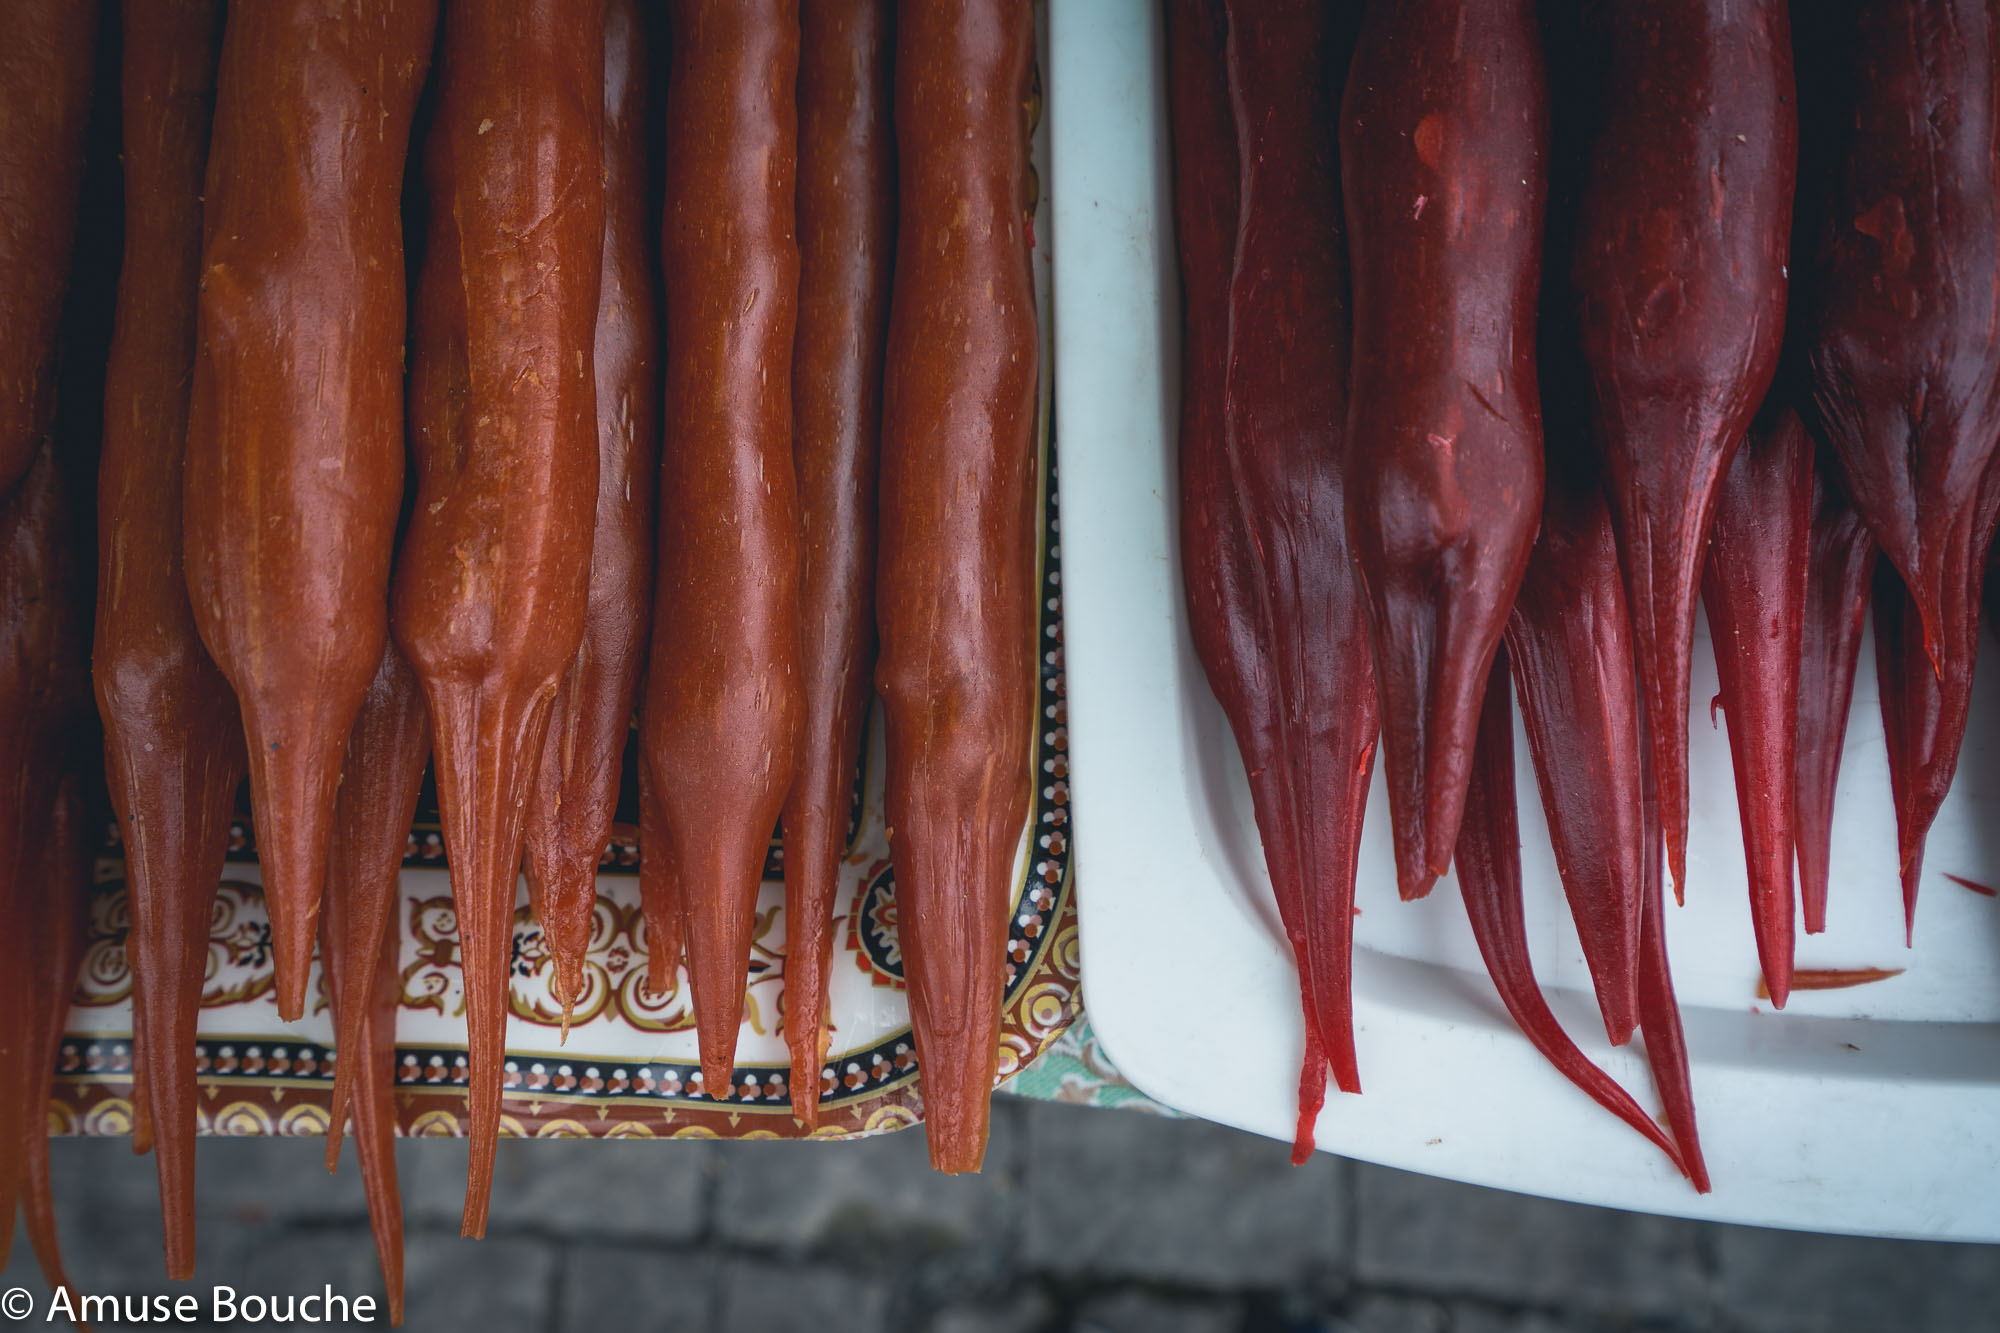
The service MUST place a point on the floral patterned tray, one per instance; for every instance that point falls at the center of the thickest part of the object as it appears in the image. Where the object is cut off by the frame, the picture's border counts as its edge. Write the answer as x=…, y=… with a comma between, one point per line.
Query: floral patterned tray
x=629, y=1066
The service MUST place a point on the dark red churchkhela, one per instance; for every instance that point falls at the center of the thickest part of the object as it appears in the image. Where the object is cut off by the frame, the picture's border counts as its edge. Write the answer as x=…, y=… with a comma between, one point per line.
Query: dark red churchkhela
x=493, y=577
x=1569, y=638
x=1570, y=641
x=379, y=784
x=45, y=73
x=720, y=722
x=1225, y=615
x=295, y=431
x=1906, y=354
x=1444, y=160
x=1680, y=274
x=1755, y=589
x=173, y=738
x=569, y=816
x=847, y=250
x=1284, y=413
x=956, y=592
x=1489, y=878
x=1659, y=1011
x=1923, y=714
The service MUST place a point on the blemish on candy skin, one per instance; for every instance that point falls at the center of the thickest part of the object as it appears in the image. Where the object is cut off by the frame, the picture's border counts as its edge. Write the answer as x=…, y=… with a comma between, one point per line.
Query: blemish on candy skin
x=1429, y=139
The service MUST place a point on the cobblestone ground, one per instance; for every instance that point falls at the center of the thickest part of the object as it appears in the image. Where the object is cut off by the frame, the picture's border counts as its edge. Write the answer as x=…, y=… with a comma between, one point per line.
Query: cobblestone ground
x=1111, y=1221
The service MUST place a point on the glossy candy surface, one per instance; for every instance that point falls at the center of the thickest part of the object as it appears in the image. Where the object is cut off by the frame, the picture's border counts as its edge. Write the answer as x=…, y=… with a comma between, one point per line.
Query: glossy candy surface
x=1905, y=354
x=1444, y=161
x=723, y=699
x=493, y=576
x=956, y=590
x=173, y=736
x=1679, y=271
x=569, y=816
x=294, y=470
x=847, y=236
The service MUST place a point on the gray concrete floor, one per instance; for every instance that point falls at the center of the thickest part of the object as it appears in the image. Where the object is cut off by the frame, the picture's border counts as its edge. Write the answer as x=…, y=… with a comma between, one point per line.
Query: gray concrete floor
x=1084, y=1219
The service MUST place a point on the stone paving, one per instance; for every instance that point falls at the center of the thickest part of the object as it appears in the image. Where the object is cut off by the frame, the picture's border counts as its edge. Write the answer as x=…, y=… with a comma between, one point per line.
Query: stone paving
x=1108, y=1221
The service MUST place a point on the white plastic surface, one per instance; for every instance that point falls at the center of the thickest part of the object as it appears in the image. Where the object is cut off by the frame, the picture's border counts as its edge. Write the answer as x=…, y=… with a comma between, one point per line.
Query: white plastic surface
x=1873, y=1110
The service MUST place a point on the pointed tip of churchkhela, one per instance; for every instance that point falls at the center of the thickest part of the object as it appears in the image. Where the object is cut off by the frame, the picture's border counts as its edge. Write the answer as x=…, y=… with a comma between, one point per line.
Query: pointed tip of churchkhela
x=292, y=787
x=805, y=1098
x=717, y=986
x=1912, y=874
x=813, y=826
x=1662, y=576
x=1659, y=1009
x=562, y=884
x=1569, y=642
x=482, y=743
x=1312, y=1096
x=1334, y=791
x=712, y=932
x=1431, y=676
x=1924, y=713
x=569, y=978
x=66, y=877
x=957, y=1088
x=807, y=1043
x=175, y=856
x=375, y=1130
x=1489, y=876
x=1755, y=588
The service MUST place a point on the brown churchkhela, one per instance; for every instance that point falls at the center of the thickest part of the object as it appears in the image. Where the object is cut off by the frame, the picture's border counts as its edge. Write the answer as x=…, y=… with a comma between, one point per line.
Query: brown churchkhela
x=956, y=593
x=493, y=576
x=45, y=72
x=67, y=861
x=295, y=435
x=1905, y=357
x=847, y=231
x=1225, y=616
x=1680, y=278
x=45, y=745
x=1284, y=415
x=576, y=792
x=723, y=702
x=380, y=780
x=173, y=741
x=1754, y=587
x=1444, y=159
